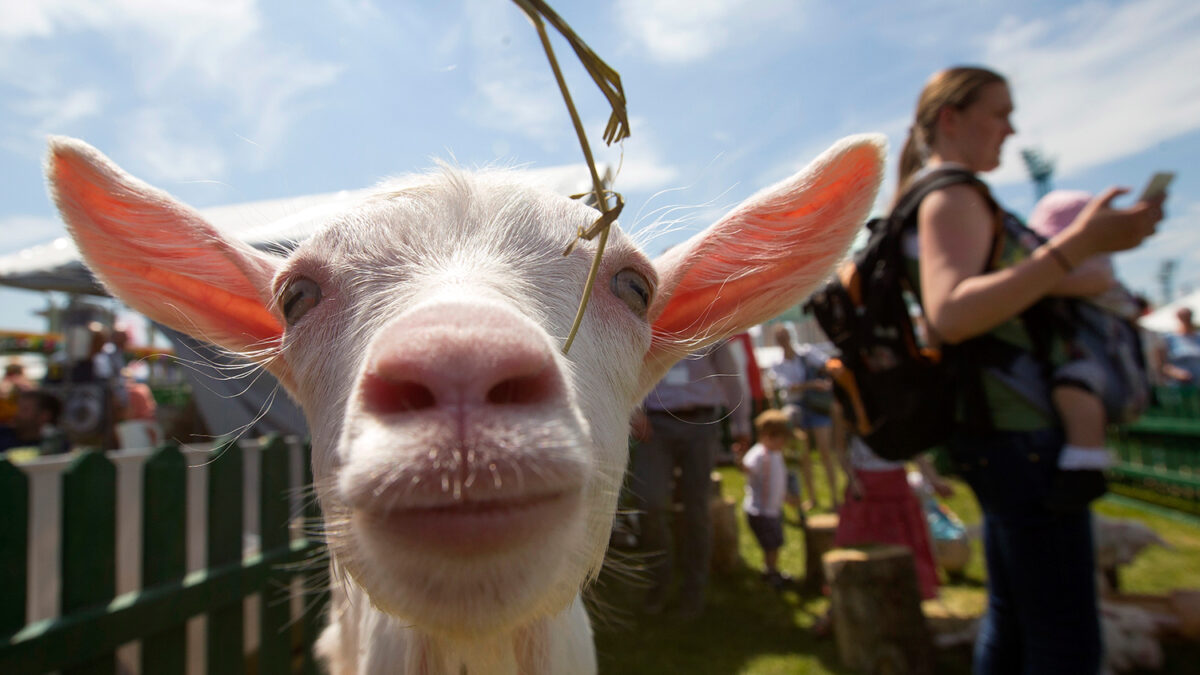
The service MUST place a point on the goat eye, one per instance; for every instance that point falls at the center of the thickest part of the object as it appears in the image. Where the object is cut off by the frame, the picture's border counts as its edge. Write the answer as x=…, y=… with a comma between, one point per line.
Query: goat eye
x=299, y=296
x=633, y=289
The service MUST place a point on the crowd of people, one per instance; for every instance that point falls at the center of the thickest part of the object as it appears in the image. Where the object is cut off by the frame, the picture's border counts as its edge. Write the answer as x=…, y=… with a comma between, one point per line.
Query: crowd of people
x=1034, y=469
x=29, y=416
x=33, y=414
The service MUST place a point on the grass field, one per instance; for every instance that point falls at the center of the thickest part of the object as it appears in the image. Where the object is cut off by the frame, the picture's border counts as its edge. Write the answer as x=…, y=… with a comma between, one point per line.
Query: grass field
x=749, y=629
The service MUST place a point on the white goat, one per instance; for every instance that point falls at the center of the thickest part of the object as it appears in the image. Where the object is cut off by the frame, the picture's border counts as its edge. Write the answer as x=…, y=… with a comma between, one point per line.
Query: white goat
x=466, y=469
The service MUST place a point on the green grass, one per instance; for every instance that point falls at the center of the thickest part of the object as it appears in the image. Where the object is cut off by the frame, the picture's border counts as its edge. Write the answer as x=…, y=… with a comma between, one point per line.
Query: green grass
x=749, y=629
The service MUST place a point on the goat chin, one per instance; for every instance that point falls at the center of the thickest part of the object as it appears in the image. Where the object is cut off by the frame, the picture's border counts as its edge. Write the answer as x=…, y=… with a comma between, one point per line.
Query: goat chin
x=361, y=641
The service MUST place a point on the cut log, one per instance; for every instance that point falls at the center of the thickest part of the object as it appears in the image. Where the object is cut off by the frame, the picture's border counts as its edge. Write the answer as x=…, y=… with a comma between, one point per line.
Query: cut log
x=724, y=511
x=876, y=606
x=723, y=514
x=726, y=558
x=1186, y=605
x=818, y=539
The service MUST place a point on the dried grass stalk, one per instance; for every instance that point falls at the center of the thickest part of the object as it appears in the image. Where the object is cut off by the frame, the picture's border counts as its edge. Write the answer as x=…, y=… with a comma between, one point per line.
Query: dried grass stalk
x=617, y=129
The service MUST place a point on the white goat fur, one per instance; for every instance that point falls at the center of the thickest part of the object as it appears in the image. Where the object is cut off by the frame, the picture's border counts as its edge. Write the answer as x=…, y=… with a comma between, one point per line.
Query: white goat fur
x=450, y=277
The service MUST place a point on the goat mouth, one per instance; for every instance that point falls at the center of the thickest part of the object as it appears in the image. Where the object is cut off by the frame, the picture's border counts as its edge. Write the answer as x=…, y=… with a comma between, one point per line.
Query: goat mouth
x=472, y=526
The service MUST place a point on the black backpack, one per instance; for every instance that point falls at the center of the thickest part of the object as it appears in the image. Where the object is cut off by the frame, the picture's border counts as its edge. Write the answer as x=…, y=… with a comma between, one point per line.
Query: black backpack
x=899, y=393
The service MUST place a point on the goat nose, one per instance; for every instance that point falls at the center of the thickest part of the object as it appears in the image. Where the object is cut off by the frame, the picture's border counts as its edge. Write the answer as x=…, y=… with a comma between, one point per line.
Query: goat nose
x=459, y=356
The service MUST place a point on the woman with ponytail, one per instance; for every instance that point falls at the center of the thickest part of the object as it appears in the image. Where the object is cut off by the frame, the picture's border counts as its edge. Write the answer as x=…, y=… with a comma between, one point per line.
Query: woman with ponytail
x=976, y=285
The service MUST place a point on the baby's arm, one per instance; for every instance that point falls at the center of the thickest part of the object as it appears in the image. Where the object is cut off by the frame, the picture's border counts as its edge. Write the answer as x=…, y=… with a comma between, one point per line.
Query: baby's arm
x=1091, y=277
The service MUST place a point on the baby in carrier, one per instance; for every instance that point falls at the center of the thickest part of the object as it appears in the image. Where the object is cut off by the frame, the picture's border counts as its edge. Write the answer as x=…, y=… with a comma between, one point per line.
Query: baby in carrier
x=1104, y=379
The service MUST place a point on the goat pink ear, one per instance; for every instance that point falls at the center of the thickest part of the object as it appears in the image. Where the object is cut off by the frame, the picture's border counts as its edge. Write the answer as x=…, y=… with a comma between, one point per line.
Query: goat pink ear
x=766, y=255
x=159, y=256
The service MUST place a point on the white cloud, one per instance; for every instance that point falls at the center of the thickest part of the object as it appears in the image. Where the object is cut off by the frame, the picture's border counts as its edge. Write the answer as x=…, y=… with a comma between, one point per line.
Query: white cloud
x=41, y=19
x=1177, y=239
x=18, y=232
x=683, y=31
x=54, y=112
x=179, y=23
x=1095, y=83
x=640, y=166
x=273, y=90
x=524, y=104
x=170, y=146
x=179, y=52
x=357, y=12
x=24, y=18
x=514, y=87
x=643, y=172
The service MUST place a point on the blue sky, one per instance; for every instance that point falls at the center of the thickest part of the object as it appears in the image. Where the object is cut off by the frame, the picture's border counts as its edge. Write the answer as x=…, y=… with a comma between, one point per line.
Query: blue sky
x=229, y=101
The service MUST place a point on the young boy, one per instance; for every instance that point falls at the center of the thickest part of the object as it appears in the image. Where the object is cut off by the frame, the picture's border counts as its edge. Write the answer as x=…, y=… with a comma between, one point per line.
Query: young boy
x=767, y=489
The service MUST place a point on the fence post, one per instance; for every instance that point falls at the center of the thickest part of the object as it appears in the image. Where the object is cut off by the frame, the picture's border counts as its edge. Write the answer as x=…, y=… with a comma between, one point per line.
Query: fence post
x=89, y=533
x=164, y=545
x=225, y=649
x=275, y=616
x=14, y=546
x=316, y=584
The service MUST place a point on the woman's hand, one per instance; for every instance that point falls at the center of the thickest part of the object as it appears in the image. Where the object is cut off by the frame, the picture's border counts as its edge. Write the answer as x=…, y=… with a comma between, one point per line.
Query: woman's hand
x=1102, y=228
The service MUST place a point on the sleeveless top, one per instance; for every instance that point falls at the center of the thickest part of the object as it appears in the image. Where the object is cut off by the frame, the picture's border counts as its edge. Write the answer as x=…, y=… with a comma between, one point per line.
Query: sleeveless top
x=1016, y=394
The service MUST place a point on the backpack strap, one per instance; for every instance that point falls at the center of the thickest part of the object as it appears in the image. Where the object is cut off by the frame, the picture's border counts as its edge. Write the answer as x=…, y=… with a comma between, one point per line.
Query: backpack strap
x=969, y=357
x=906, y=206
x=936, y=179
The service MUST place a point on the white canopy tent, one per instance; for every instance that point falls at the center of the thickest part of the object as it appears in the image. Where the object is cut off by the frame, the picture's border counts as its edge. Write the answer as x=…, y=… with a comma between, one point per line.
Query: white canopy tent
x=1162, y=320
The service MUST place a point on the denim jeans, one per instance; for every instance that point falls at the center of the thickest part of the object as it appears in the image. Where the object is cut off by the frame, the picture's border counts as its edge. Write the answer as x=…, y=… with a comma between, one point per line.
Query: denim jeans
x=1042, y=614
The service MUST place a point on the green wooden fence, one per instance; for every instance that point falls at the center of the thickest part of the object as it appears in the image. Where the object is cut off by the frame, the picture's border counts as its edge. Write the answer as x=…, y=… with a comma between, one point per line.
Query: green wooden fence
x=93, y=623
x=1160, y=453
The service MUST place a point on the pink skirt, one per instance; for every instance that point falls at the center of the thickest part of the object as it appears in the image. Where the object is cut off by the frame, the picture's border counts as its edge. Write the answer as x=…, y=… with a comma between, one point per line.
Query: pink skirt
x=889, y=513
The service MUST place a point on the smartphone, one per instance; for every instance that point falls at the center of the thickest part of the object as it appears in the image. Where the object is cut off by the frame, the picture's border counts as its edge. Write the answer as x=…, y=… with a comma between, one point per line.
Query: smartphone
x=1157, y=185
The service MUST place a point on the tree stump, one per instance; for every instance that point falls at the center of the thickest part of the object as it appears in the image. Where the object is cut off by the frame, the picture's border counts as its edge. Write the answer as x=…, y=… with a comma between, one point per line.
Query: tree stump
x=726, y=558
x=818, y=539
x=876, y=605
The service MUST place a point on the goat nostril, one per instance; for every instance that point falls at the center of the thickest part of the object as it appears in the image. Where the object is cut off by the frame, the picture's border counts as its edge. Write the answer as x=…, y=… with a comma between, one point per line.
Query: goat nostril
x=386, y=396
x=520, y=390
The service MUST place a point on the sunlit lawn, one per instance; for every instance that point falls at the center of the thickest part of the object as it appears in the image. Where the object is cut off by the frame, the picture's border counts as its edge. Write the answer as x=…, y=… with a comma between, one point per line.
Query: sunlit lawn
x=747, y=628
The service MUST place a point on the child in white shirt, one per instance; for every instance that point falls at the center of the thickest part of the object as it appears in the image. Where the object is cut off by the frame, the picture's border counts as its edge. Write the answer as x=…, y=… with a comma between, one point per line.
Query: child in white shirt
x=767, y=489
